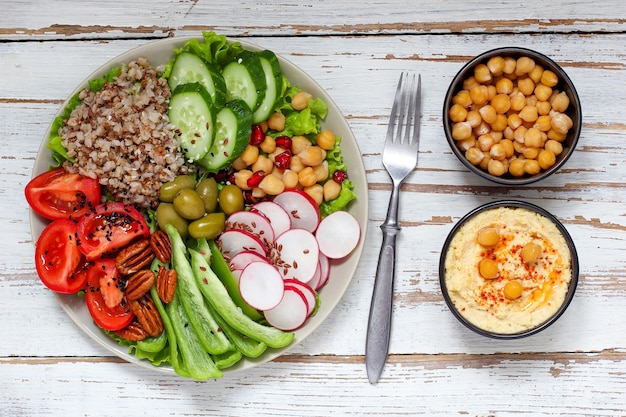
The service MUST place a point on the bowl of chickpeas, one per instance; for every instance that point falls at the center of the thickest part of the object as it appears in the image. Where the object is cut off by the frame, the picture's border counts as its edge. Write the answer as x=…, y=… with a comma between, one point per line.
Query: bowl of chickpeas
x=512, y=115
x=508, y=269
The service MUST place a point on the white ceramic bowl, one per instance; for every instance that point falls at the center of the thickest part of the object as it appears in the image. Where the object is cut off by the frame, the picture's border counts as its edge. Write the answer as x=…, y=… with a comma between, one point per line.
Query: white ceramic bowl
x=158, y=53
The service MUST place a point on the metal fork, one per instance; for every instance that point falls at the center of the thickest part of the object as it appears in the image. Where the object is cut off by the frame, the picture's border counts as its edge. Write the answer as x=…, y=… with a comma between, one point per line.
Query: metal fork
x=399, y=159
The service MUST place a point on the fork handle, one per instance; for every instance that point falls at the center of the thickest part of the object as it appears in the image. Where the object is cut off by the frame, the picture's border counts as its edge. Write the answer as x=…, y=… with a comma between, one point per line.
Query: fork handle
x=379, y=324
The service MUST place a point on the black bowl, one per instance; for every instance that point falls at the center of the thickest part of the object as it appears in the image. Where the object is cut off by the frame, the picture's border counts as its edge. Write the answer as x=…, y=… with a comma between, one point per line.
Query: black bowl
x=564, y=84
x=571, y=289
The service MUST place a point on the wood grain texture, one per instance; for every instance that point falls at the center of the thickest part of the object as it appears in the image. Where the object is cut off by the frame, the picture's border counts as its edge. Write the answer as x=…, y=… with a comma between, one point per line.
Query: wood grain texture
x=577, y=367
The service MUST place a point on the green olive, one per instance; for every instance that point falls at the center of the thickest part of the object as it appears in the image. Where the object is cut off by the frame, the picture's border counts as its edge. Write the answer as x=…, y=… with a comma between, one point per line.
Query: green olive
x=209, y=226
x=207, y=189
x=188, y=204
x=231, y=199
x=165, y=214
x=168, y=191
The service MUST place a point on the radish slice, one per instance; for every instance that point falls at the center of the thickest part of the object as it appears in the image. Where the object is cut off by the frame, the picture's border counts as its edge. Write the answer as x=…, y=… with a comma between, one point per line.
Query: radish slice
x=296, y=254
x=277, y=216
x=315, y=281
x=324, y=263
x=291, y=312
x=261, y=286
x=251, y=222
x=338, y=234
x=236, y=274
x=232, y=242
x=243, y=259
x=308, y=292
x=303, y=211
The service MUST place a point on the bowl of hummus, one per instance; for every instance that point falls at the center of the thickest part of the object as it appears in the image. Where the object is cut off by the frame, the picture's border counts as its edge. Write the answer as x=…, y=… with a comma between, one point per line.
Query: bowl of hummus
x=508, y=269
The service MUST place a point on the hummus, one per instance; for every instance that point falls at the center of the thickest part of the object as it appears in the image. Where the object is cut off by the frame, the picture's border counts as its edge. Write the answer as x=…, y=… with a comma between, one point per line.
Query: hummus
x=544, y=278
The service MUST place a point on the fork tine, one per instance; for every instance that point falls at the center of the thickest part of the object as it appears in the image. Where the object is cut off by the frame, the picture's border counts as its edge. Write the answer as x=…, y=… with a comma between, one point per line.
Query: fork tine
x=410, y=112
x=418, y=110
x=394, y=108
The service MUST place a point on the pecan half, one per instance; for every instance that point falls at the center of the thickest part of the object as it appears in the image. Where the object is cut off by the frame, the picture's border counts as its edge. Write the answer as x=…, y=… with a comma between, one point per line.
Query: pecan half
x=134, y=257
x=139, y=284
x=133, y=332
x=166, y=284
x=147, y=315
x=161, y=246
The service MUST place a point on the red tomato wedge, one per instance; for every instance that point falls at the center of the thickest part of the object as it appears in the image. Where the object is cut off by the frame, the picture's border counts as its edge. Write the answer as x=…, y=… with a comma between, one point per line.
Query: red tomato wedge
x=108, y=227
x=58, y=194
x=57, y=257
x=99, y=277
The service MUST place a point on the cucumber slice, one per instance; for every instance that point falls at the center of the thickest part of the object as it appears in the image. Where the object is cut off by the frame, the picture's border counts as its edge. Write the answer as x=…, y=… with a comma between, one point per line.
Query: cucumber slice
x=189, y=68
x=245, y=80
x=233, y=126
x=192, y=113
x=274, y=82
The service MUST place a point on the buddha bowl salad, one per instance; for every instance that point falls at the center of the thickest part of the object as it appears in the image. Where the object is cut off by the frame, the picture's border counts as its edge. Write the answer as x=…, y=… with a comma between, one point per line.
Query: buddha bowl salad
x=196, y=207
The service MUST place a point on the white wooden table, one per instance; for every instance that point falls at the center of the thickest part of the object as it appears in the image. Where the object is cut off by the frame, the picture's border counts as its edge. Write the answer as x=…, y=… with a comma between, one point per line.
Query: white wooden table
x=356, y=51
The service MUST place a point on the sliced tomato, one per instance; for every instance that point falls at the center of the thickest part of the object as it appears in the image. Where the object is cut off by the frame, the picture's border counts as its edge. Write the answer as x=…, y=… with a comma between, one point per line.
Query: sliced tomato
x=103, y=271
x=58, y=194
x=57, y=257
x=108, y=227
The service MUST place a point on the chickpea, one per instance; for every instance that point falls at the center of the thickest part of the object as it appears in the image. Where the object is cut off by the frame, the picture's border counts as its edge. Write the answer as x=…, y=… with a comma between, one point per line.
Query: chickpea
x=241, y=179
x=290, y=179
x=470, y=82
x=514, y=121
x=296, y=164
x=556, y=136
x=326, y=139
x=276, y=121
x=516, y=167
x=257, y=192
x=518, y=101
x=307, y=177
x=562, y=123
x=250, y=154
x=509, y=65
x=474, y=156
x=461, y=130
x=499, y=125
x=543, y=123
x=533, y=138
x=524, y=65
x=560, y=102
x=496, y=167
x=504, y=86
x=491, y=91
x=496, y=65
x=462, y=98
x=485, y=142
x=549, y=78
x=264, y=164
x=526, y=86
x=316, y=192
x=488, y=236
x=268, y=145
x=466, y=144
x=482, y=74
x=301, y=100
x=546, y=159
x=482, y=129
x=277, y=151
x=509, y=149
x=553, y=146
x=321, y=171
x=530, y=152
x=532, y=167
x=520, y=133
x=479, y=94
x=529, y=114
x=543, y=107
x=531, y=252
x=272, y=185
x=484, y=163
x=497, y=151
x=312, y=155
x=536, y=73
x=488, y=268
x=474, y=118
x=543, y=92
x=238, y=164
x=501, y=103
x=513, y=290
x=298, y=143
x=332, y=189
x=488, y=113
x=457, y=113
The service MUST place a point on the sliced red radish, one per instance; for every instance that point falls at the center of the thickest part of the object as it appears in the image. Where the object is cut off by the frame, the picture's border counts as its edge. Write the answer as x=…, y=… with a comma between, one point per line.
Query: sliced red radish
x=324, y=264
x=315, y=281
x=236, y=274
x=296, y=254
x=338, y=234
x=292, y=311
x=242, y=259
x=232, y=242
x=277, y=216
x=261, y=286
x=308, y=292
x=251, y=222
x=301, y=208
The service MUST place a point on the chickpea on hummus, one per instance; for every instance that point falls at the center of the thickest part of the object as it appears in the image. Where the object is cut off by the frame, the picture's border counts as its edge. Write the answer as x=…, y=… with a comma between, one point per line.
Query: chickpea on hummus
x=507, y=270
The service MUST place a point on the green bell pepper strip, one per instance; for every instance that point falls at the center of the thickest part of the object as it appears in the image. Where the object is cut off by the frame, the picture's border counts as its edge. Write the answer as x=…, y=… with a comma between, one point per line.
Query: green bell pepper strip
x=248, y=347
x=175, y=360
x=223, y=272
x=227, y=359
x=196, y=360
x=208, y=331
x=153, y=344
x=215, y=293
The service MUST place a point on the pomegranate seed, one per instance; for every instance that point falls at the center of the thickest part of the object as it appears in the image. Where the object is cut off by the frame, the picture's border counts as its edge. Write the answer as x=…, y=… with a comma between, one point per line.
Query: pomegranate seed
x=224, y=176
x=282, y=160
x=339, y=176
x=256, y=136
x=248, y=198
x=255, y=179
x=283, y=142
